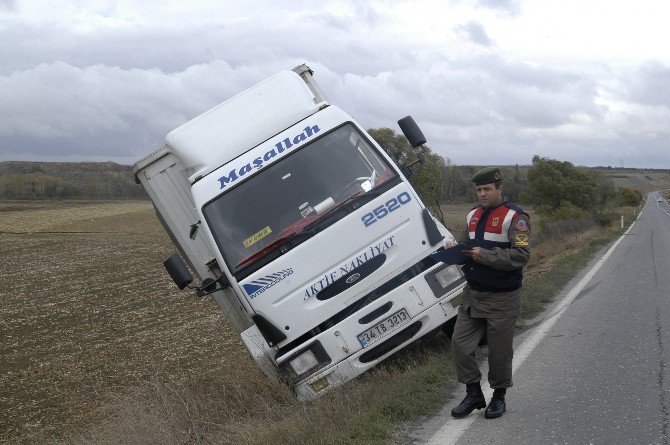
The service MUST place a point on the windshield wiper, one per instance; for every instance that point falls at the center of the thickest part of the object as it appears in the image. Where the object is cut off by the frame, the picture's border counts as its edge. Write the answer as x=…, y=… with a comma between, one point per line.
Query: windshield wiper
x=281, y=245
x=284, y=244
x=344, y=208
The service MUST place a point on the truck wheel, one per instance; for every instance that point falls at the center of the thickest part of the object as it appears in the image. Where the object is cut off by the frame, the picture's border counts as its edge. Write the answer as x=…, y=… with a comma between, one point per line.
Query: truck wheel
x=448, y=327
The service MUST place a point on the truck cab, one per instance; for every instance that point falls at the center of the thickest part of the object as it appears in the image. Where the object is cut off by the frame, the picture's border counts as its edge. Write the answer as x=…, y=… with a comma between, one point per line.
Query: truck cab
x=314, y=235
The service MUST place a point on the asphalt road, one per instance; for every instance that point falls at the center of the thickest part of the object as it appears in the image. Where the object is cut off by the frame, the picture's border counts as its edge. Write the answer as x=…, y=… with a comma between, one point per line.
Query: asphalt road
x=601, y=374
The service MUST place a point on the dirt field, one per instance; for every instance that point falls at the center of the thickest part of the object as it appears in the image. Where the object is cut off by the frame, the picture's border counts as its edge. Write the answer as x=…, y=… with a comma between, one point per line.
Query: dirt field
x=86, y=310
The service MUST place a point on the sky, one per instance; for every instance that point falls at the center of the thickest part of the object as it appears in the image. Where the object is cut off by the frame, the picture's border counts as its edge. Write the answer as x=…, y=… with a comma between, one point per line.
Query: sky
x=489, y=82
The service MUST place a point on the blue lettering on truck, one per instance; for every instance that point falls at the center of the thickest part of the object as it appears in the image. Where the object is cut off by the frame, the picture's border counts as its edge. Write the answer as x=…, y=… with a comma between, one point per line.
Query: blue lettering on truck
x=350, y=265
x=384, y=209
x=279, y=148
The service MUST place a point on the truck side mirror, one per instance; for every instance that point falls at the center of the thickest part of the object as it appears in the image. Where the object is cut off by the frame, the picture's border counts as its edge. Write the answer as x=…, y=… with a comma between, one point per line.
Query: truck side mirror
x=412, y=131
x=178, y=271
x=416, y=139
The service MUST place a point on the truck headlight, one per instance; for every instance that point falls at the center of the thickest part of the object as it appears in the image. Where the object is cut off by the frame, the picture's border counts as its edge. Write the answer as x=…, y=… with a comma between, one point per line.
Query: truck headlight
x=447, y=276
x=444, y=279
x=304, y=362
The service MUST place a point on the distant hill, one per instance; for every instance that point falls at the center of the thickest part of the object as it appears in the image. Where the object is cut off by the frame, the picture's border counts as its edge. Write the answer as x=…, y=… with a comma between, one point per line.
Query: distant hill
x=644, y=180
x=109, y=180
x=67, y=180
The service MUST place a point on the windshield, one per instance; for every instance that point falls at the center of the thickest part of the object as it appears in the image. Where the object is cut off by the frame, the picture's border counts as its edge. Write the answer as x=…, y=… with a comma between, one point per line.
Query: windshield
x=273, y=211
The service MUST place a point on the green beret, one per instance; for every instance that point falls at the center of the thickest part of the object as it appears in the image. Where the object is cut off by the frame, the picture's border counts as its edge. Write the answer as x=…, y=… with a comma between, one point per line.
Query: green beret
x=488, y=175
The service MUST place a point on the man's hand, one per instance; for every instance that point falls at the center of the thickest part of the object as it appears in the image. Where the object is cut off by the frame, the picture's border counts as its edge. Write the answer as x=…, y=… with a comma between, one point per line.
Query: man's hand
x=449, y=244
x=475, y=253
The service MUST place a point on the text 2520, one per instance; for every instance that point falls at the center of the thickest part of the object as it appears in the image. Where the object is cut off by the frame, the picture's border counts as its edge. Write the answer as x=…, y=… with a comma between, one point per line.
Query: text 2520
x=390, y=206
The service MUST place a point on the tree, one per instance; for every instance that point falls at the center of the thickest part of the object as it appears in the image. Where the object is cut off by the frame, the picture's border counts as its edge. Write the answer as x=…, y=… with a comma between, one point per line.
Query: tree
x=429, y=178
x=456, y=187
x=395, y=145
x=629, y=197
x=514, y=183
x=562, y=191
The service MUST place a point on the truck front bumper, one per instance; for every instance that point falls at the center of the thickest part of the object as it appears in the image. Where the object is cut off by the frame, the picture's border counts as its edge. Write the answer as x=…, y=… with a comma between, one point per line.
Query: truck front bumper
x=348, y=356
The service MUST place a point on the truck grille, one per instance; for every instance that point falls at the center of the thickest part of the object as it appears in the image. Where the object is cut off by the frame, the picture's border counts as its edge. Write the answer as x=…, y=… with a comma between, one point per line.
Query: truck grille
x=382, y=290
x=345, y=282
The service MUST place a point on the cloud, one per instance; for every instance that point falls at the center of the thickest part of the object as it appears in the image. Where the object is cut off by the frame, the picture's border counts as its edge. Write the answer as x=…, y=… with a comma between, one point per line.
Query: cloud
x=509, y=7
x=8, y=5
x=475, y=32
x=480, y=106
x=649, y=84
x=102, y=110
x=75, y=91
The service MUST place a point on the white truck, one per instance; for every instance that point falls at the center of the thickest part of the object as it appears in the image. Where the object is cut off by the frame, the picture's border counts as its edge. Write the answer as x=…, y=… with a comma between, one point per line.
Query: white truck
x=308, y=236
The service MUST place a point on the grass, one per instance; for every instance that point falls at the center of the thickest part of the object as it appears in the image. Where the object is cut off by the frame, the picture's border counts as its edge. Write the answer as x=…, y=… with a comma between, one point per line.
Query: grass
x=98, y=346
x=555, y=262
x=258, y=412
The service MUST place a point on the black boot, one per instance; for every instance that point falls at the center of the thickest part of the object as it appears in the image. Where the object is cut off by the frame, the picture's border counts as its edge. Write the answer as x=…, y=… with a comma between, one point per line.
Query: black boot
x=497, y=406
x=473, y=400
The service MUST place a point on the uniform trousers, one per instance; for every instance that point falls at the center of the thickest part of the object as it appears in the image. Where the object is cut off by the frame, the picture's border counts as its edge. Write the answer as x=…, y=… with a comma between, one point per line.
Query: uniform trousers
x=468, y=332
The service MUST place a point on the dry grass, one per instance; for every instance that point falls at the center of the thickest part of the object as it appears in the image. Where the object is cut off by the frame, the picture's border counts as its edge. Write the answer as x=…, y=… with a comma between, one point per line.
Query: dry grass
x=236, y=408
x=546, y=255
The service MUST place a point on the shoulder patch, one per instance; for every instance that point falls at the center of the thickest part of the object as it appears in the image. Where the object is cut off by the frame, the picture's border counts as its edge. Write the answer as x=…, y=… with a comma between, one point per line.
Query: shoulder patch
x=521, y=226
x=521, y=239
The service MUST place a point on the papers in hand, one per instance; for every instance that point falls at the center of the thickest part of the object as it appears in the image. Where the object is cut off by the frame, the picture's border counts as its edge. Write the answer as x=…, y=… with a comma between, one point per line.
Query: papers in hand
x=452, y=255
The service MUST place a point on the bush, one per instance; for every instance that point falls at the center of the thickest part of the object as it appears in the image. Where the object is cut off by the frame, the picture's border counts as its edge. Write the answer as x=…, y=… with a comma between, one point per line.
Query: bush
x=561, y=190
x=605, y=218
x=566, y=211
x=563, y=227
x=629, y=197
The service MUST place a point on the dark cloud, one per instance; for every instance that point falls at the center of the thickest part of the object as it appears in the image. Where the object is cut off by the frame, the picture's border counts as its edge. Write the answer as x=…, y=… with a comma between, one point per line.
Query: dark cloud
x=469, y=108
x=475, y=32
x=107, y=110
x=525, y=74
x=649, y=84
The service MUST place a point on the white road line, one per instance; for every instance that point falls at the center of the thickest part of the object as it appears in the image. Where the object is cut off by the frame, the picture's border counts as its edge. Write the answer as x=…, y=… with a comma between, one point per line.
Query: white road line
x=453, y=429
x=659, y=205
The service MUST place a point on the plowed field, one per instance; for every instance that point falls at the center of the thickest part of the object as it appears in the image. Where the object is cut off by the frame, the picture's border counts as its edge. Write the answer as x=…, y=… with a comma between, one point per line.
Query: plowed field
x=86, y=310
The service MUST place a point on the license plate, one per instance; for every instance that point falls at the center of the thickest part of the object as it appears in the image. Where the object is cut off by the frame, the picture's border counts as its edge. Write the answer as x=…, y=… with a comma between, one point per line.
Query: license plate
x=386, y=326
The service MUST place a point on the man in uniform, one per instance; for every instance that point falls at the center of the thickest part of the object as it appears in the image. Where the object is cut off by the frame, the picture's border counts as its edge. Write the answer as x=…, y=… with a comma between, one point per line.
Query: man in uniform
x=498, y=234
